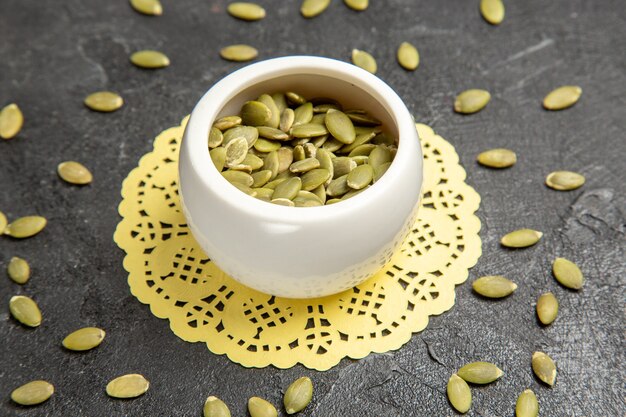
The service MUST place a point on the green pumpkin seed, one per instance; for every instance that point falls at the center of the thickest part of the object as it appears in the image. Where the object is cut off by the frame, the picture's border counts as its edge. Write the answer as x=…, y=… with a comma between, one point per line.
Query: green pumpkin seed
x=492, y=11
x=281, y=101
x=104, y=101
x=218, y=156
x=480, y=372
x=527, y=405
x=544, y=368
x=362, y=150
x=359, y=141
x=383, y=139
x=271, y=162
x=497, y=158
x=150, y=59
x=308, y=130
x=320, y=193
x=285, y=158
x=227, y=122
x=214, y=407
x=215, y=137
x=332, y=145
x=364, y=60
x=147, y=7
x=3, y=222
x=84, y=339
x=360, y=159
x=380, y=171
x=312, y=8
x=547, y=308
x=363, y=120
x=244, y=188
x=33, y=393
x=306, y=199
x=295, y=98
x=255, y=113
x=274, y=120
x=288, y=189
x=264, y=145
x=408, y=57
x=319, y=141
x=564, y=180
x=379, y=155
x=260, y=178
x=568, y=274
x=304, y=165
x=253, y=161
x=286, y=120
x=283, y=202
x=459, y=394
x=357, y=5
x=521, y=238
x=274, y=183
x=342, y=165
x=562, y=97
x=271, y=133
x=471, y=101
x=495, y=286
x=25, y=227
x=246, y=11
x=74, y=173
x=338, y=186
x=240, y=177
x=239, y=53
x=310, y=151
x=303, y=114
x=127, y=386
x=333, y=201
x=326, y=162
x=18, y=270
x=340, y=126
x=360, y=177
x=25, y=310
x=318, y=118
x=314, y=178
x=236, y=151
x=251, y=134
x=11, y=121
x=298, y=395
x=264, y=194
x=323, y=108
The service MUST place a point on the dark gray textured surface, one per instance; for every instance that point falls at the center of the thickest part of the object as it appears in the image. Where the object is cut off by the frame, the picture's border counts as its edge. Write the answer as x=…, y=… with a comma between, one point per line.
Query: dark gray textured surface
x=54, y=53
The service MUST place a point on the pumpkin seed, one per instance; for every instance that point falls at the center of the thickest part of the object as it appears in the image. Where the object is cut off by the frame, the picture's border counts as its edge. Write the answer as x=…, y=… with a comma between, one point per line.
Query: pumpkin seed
x=383, y=139
x=246, y=11
x=364, y=60
x=362, y=150
x=497, y=158
x=363, y=119
x=274, y=183
x=150, y=59
x=271, y=162
x=459, y=394
x=255, y=113
x=218, y=156
x=11, y=121
x=306, y=199
x=18, y=270
x=244, y=188
x=283, y=202
x=562, y=97
x=280, y=100
x=338, y=186
x=408, y=57
x=264, y=145
x=480, y=372
x=304, y=165
x=527, y=405
x=261, y=178
x=312, y=8
x=320, y=193
x=288, y=189
x=310, y=151
x=492, y=11
x=286, y=120
x=380, y=171
x=74, y=173
x=295, y=98
x=342, y=165
x=564, y=180
x=25, y=310
x=303, y=114
x=323, y=108
x=358, y=5
x=495, y=286
x=521, y=238
x=127, y=386
x=238, y=177
x=274, y=120
x=239, y=53
x=333, y=201
x=84, y=339
x=544, y=368
x=298, y=153
x=3, y=222
x=359, y=141
x=25, y=227
x=33, y=393
x=471, y=101
x=251, y=134
x=236, y=151
x=379, y=155
x=147, y=7
x=353, y=192
x=568, y=274
x=227, y=122
x=319, y=141
x=298, y=395
x=104, y=101
x=271, y=133
x=308, y=130
x=332, y=145
x=360, y=159
x=253, y=161
x=360, y=177
x=547, y=308
x=340, y=126
x=285, y=158
x=314, y=178
x=214, y=407
x=215, y=137
x=264, y=194
x=318, y=118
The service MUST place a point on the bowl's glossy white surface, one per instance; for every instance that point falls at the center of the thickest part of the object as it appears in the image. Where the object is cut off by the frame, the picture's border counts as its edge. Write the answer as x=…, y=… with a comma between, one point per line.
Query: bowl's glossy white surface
x=300, y=252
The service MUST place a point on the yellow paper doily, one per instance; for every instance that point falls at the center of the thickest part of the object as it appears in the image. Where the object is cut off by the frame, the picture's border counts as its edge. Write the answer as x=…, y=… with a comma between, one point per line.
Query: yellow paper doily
x=168, y=271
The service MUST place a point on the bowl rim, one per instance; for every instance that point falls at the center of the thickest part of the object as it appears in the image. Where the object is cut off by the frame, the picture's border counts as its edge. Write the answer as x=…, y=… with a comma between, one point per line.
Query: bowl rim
x=212, y=102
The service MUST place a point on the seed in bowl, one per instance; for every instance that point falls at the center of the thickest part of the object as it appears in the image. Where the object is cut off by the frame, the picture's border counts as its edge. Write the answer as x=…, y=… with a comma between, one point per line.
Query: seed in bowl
x=285, y=149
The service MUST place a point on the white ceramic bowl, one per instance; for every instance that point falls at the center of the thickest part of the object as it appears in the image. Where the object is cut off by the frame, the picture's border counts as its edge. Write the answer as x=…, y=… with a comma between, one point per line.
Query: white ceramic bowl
x=300, y=252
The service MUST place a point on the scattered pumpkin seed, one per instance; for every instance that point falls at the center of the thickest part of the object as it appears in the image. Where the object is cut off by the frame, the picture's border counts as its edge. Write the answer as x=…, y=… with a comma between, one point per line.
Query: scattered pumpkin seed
x=494, y=286
x=408, y=57
x=459, y=394
x=480, y=372
x=11, y=121
x=25, y=227
x=264, y=194
x=492, y=11
x=214, y=407
x=527, y=405
x=147, y=7
x=562, y=97
x=314, y=178
x=246, y=11
x=150, y=59
x=360, y=177
x=227, y=122
x=364, y=60
x=33, y=393
x=311, y=8
x=84, y=339
x=274, y=120
x=74, y=173
x=288, y=189
x=239, y=53
x=239, y=177
x=298, y=395
x=379, y=155
x=18, y=270
x=544, y=368
x=25, y=310
x=564, y=180
x=521, y=238
x=357, y=5
x=471, y=101
x=260, y=178
x=338, y=186
x=127, y=386
x=304, y=165
x=340, y=126
x=236, y=151
x=568, y=274
x=295, y=98
x=104, y=101
x=215, y=137
x=497, y=158
x=218, y=156
x=3, y=222
x=308, y=130
x=342, y=165
x=547, y=308
x=303, y=114
x=287, y=118
x=255, y=113
x=280, y=100
x=271, y=133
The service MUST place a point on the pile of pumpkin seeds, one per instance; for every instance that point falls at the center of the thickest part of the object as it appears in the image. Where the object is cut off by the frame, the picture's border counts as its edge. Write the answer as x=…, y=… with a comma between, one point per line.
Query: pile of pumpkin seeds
x=287, y=150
